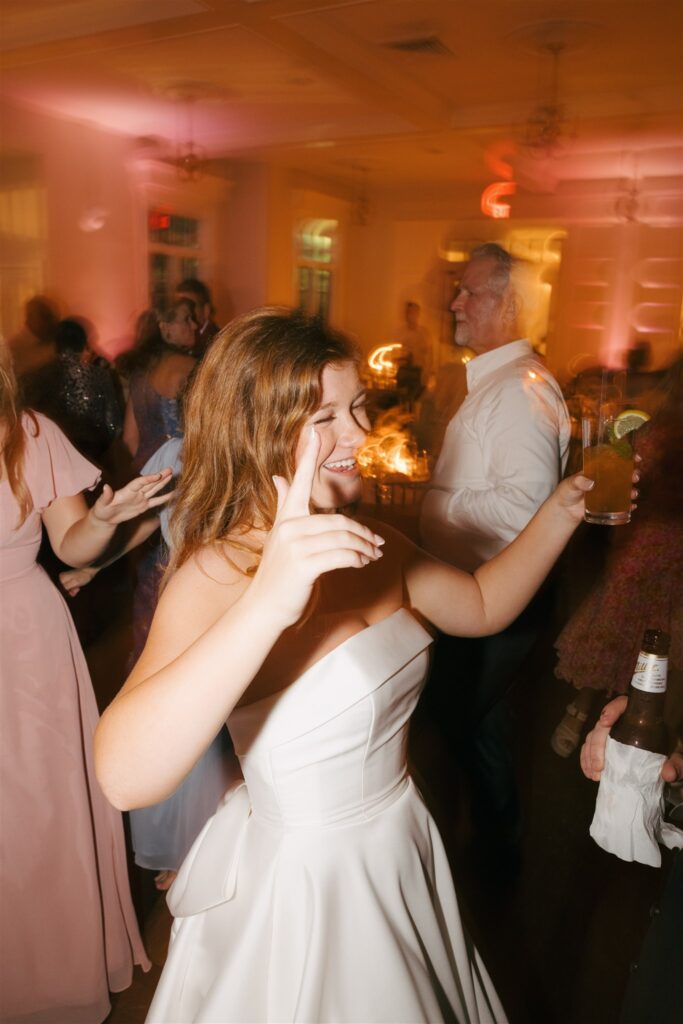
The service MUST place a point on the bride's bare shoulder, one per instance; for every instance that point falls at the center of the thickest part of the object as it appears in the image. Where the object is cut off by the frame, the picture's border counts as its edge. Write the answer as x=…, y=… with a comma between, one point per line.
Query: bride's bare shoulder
x=195, y=597
x=217, y=572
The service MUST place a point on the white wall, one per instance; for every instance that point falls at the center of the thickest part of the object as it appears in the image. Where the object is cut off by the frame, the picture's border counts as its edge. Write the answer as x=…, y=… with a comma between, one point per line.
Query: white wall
x=617, y=280
x=82, y=174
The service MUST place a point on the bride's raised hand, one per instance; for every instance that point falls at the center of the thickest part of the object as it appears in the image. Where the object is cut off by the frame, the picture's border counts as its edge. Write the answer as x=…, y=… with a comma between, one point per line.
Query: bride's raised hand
x=570, y=494
x=301, y=547
x=569, y=497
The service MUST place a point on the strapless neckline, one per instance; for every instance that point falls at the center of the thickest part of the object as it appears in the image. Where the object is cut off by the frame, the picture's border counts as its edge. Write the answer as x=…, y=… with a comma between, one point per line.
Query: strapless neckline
x=320, y=890
x=321, y=661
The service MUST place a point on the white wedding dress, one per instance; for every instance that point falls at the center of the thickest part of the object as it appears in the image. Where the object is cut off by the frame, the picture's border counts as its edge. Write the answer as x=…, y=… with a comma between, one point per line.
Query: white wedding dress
x=320, y=890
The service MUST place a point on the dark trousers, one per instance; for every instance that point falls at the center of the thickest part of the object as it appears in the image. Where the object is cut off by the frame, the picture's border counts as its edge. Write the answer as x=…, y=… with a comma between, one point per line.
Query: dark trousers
x=468, y=700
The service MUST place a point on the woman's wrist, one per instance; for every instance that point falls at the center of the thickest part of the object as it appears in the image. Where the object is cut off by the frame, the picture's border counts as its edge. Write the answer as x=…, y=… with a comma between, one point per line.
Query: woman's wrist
x=102, y=526
x=261, y=614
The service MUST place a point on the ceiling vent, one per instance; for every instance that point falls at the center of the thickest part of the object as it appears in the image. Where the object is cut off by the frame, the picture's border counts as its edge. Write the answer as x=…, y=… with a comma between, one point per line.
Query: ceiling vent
x=422, y=46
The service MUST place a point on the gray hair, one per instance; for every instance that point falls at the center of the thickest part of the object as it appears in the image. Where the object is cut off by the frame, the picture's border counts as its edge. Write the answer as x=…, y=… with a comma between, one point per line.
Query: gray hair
x=505, y=264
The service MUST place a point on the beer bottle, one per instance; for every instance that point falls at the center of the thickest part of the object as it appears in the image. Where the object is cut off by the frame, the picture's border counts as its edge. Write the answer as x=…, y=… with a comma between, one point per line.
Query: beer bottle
x=642, y=723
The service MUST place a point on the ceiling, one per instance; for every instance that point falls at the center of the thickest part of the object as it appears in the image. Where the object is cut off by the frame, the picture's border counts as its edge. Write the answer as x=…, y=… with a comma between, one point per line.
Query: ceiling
x=398, y=93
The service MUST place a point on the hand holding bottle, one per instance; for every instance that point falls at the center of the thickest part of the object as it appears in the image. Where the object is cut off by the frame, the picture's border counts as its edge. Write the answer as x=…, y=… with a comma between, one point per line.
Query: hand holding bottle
x=592, y=755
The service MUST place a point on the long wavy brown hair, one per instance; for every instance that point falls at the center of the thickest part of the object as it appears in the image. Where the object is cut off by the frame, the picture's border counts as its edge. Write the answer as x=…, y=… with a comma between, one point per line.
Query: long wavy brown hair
x=13, y=438
x=258, y=383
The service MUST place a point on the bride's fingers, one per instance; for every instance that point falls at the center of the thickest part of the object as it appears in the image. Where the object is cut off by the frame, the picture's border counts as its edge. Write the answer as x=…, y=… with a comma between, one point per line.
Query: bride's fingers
x=313, y=545
x=282, y=490
x=330, y=522
x=581, y=483
x=337, y=558
x=298, y=498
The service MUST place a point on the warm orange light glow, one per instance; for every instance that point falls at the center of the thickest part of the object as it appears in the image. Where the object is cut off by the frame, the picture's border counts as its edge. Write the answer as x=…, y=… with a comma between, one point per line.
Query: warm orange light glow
x=380, y=361
x=390, y=450
x=490, y=204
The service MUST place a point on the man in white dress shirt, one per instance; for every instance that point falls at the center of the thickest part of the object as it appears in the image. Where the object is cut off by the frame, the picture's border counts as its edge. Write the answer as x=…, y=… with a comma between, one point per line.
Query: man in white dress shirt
x=503, y=454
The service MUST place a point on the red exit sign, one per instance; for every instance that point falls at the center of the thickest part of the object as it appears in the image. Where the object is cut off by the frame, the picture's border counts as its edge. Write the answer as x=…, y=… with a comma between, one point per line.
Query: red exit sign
x=159, y=220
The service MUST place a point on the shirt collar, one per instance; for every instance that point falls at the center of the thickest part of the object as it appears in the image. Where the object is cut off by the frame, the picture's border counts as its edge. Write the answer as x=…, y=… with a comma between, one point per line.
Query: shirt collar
x=481, y=366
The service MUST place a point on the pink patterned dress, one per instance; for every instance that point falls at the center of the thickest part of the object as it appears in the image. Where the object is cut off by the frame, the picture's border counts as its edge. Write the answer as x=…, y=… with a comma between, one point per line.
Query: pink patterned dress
x=68, y=933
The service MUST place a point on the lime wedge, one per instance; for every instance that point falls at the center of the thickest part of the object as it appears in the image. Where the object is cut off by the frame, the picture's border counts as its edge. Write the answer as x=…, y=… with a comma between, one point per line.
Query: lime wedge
x=628, y=420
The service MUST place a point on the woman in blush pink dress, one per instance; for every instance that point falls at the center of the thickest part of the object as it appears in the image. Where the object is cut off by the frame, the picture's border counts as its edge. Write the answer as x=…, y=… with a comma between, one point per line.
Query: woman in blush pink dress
x=68, y=933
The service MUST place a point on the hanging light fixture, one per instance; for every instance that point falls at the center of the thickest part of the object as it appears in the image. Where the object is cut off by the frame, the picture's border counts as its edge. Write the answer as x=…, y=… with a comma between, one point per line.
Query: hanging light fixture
x=546, y=127
x=189, y=157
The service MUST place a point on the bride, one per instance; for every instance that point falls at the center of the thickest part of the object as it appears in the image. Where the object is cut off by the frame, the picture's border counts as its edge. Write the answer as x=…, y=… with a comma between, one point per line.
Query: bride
x=320, y=890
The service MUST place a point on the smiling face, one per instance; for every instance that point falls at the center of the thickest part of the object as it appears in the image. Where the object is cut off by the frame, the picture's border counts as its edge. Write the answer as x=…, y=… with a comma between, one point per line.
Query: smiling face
x=342, y=423
x=484, y=310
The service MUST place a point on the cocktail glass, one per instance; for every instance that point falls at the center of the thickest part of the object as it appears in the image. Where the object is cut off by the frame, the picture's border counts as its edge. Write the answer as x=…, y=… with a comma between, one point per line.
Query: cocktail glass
x=608, y=454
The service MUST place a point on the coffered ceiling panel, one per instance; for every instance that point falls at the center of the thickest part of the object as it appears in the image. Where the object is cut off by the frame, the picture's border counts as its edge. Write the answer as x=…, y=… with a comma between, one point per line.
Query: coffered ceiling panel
x=399, y=91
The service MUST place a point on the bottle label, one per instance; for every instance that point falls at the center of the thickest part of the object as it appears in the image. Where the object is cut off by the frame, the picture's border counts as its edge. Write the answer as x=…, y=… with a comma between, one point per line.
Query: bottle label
x=650, y=673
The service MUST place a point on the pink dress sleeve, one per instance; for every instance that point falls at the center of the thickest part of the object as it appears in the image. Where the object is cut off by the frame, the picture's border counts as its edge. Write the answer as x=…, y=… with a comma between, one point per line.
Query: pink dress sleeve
x=52, y=467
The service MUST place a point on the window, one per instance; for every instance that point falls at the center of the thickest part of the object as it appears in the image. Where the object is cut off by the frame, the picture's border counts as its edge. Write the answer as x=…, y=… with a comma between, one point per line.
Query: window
x=315, y=257
x=174, y=243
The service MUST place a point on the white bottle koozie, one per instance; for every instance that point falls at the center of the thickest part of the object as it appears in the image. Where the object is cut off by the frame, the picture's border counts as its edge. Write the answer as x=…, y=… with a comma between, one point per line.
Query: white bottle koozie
x=628, y=810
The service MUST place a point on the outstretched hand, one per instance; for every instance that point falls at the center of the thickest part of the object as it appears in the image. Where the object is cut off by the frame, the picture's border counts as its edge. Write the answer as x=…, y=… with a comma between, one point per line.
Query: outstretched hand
x=592, y=755
x=302, y=547
x=138, y=496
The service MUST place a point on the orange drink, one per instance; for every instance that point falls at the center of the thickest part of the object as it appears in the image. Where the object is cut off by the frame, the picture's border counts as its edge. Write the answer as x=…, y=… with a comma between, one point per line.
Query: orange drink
x=610, y=465
x=607, y=432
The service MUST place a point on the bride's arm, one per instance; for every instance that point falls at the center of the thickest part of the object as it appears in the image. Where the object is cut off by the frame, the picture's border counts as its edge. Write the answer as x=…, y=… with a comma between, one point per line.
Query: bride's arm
x=490, y=599
x=211, y=633
x=194, y=668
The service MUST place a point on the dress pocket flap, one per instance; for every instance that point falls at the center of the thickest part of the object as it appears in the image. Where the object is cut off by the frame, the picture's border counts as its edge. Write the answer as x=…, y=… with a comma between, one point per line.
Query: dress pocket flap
x=208, y=875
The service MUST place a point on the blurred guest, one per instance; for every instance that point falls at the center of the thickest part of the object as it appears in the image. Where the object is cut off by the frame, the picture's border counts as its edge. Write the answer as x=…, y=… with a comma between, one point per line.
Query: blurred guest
x=146, y=329
x=641, y=586
x=198, y=293
x=62, y=844
x=642, y=382
x=163, y=833
x=654, y=994
x=158, y=369
x=503, y=454
x=416, y=341
x=439, y=406
x=76, y=392
x=34, y=345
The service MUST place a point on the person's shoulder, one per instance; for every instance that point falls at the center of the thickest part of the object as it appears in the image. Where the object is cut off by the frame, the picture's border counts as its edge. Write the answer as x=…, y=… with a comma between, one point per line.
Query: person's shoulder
x=40, y=428
x=169, y=454
x=207, y=583
x=525, y=376
x=32, y=422
x=219, y=565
